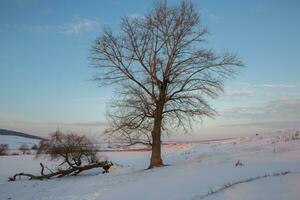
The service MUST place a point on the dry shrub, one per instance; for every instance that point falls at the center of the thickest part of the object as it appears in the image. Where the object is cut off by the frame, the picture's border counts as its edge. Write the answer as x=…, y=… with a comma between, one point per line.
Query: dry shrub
x=71, y=149
x=34, y=147
x=3, y=149
x=24, y=148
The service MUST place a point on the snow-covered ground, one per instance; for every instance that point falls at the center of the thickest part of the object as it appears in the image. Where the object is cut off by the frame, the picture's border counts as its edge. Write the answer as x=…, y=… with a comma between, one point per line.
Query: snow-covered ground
x=194, y=171
x=14, y=142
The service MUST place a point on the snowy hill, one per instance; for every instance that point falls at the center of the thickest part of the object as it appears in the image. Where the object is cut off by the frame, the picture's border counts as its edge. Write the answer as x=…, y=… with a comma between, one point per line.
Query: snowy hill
x=15, y=139
x=20, y=134
x=14, y=142
x=270, y=170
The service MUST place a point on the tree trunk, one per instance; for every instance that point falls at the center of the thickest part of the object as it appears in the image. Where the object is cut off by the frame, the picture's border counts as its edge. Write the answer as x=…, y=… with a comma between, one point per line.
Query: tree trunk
x=156, y=160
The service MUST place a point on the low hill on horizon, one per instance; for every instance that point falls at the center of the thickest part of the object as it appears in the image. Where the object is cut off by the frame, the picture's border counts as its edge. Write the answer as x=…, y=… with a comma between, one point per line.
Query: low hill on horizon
x=20, y=134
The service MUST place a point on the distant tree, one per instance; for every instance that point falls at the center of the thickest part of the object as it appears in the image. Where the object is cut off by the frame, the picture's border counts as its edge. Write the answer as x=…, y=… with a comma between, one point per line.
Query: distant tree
x=24, y=148
x=163, y=72
x=3, y=149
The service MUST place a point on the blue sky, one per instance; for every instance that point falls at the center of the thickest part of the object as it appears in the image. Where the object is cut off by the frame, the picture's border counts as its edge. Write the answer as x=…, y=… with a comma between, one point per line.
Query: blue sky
x=45, y=74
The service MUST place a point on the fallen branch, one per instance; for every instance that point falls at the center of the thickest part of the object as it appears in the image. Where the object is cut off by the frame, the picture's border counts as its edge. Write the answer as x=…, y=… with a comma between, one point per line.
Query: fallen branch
x=73, y=171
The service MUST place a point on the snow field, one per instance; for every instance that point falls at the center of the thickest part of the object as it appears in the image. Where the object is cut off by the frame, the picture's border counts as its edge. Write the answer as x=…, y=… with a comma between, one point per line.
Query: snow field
x=194, y=170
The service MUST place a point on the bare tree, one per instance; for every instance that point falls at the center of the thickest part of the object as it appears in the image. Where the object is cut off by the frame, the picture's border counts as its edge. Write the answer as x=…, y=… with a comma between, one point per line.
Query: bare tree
x=163, y=72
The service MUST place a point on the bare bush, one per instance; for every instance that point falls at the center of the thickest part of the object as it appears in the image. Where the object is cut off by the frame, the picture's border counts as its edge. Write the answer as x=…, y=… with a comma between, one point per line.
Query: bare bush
x=24, y=149
x=239, y=163
x=70, y=149
x=34, y=147
x=286, y=137
x=3, y=149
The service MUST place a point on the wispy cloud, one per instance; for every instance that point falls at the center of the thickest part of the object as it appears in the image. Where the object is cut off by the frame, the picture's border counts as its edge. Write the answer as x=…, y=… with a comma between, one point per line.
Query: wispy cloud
x=85, y=124
x=268, y=85
x=43, y=128
x=214, y=17
x=211, y=16
x=266, y=124
x=23, y=3
x=79, y=26
x=282, y=108
x=101, y=98
x=75, y=27
x=136, y=16
x=240, y=93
